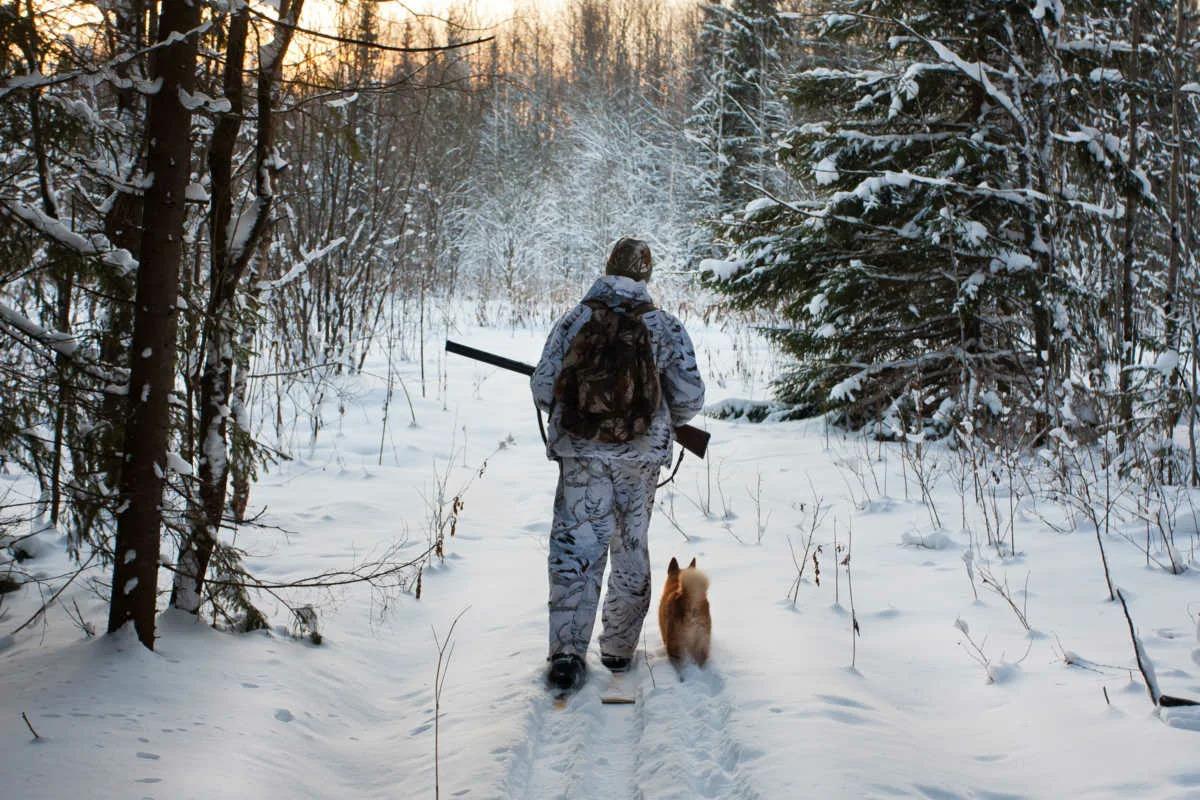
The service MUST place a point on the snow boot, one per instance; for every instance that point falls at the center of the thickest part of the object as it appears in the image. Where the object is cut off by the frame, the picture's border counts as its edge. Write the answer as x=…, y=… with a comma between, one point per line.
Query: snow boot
x=567, y=672
x=616, y=664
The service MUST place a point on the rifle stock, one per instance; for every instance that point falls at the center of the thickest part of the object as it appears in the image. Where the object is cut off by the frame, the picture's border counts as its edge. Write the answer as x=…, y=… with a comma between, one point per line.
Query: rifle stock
x=690, y=438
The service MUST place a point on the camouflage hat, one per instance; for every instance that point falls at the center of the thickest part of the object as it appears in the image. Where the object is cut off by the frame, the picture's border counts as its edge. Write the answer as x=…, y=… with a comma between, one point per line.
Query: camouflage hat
x=630, y=257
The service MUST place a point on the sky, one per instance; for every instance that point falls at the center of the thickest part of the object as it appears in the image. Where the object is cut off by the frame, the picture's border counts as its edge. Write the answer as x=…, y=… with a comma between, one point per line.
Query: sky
x=489, y=11
x=321, y=15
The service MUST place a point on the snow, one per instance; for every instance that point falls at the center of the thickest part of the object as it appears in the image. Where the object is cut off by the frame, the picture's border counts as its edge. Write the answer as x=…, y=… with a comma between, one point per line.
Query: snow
x=846, y=389
x=826, y=171
x=818, y=304
x=216, y=714
x=722, y=270
x=935, y=540
x=301, y=266
x=196, y=193
x=177, y=464
x=1103, y=75
x=1010, y=261
x=1167, y=362
x=90, y=245
x=977, y=71
x=58, y=341
x=239, y=229
x=992, y=401
x=756, y=205
x=1052, y=7
x=836, y=20
x=341, y=102
x=975, y=233
x=194, y=100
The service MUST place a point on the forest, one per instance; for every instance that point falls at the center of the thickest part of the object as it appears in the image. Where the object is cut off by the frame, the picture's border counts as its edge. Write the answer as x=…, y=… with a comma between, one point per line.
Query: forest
x=234, y=235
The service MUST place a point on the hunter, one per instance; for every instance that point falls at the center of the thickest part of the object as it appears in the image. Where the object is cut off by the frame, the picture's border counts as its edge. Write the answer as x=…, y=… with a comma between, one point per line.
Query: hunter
x=616, y=377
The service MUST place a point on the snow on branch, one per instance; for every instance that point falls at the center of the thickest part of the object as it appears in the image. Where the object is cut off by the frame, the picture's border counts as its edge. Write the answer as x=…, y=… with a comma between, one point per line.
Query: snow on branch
x=194, y=100
x=863, y=77
x=975, y=70
x=105, y=70
x=62, y=343
x=300, y=267
x=1104, y=148
x=59, y=342
x=96, y=245
x=870, y=186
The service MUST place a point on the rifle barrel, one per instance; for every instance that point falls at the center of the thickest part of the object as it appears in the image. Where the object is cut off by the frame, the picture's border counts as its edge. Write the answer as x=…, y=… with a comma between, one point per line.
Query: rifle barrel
x=489, y=358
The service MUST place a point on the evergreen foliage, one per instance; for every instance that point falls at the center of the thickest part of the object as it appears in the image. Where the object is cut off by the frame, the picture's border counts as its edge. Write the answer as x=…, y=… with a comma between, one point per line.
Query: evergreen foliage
x=967, y=182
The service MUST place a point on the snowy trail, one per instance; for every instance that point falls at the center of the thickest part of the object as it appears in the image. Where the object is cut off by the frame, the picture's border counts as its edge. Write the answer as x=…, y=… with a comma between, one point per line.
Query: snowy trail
x=694, y=753
x=584, y=750
x=674, y=742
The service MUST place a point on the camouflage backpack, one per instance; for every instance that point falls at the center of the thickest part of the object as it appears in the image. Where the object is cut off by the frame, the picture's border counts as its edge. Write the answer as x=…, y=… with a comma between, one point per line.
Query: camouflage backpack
x=608, y=386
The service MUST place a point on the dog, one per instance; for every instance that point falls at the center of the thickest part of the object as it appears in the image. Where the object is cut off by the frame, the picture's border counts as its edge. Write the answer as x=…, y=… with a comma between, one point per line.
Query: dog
x=683, y=616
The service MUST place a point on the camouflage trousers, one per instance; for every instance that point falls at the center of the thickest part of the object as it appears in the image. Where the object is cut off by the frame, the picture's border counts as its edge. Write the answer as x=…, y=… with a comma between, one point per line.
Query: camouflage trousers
x=602, y=507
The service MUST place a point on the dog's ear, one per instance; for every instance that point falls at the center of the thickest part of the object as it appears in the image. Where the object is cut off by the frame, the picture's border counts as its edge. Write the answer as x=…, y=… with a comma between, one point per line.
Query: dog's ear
x=673, y=567
x=693, y=564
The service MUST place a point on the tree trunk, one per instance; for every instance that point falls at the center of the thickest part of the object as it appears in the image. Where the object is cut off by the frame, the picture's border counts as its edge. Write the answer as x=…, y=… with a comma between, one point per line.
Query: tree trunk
x=152, y=354
x=240, y=468
x=233, y=247
x=1132, y=195
x=1174, y=408
x=205, y=515
x=64, y=285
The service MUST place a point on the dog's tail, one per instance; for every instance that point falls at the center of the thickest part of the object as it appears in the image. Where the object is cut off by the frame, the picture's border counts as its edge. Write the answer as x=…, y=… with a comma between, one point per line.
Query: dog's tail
x=693, y=585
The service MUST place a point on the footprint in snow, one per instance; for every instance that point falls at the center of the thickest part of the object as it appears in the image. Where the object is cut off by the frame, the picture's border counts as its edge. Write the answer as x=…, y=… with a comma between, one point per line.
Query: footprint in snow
x=148, y=756
x=283, y=715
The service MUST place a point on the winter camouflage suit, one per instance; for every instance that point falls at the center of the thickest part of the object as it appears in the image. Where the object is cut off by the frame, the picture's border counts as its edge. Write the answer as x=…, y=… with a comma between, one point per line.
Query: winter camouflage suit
x=606, y=491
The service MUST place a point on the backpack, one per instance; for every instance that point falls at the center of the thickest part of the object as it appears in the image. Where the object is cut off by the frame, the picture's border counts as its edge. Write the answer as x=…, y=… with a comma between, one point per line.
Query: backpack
x=608, y=386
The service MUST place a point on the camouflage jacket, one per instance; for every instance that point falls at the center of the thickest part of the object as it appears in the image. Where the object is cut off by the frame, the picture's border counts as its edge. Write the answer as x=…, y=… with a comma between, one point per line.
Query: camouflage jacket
x=682, y=386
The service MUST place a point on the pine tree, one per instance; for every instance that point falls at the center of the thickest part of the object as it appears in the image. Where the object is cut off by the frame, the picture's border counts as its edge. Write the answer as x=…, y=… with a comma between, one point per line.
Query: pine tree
x=960, y=180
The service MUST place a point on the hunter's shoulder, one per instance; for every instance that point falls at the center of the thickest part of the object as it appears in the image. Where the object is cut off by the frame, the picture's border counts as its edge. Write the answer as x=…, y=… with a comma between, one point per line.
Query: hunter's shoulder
x=572, y=315
x=661, y=317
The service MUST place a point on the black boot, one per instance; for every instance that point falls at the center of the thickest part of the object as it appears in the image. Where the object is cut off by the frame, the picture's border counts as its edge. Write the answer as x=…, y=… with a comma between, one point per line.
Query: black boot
x=616, y=663
x=566, y=673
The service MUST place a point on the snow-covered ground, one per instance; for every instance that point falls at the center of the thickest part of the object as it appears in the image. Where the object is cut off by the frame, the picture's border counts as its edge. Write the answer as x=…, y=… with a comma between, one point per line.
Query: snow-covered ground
x=780, y=713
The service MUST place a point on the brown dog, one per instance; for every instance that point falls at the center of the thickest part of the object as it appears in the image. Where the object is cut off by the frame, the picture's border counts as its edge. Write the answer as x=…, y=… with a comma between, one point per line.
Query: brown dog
x=683, y=616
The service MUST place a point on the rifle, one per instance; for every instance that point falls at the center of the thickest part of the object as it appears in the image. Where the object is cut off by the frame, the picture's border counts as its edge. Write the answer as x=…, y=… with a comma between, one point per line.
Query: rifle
x=690, y=438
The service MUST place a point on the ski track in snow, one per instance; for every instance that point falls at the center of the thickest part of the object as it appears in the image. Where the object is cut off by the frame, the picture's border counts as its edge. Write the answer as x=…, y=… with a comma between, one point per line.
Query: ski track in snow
x=674, y=742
